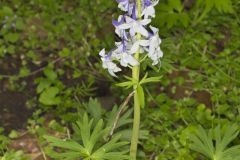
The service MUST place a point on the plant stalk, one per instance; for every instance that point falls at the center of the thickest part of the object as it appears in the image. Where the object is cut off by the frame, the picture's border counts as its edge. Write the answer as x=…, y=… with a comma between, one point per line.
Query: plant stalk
x=135, y=76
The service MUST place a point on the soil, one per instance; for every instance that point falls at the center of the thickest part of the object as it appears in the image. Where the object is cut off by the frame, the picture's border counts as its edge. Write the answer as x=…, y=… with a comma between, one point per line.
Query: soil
x=186, y=90
x=13, y=109
x=14, y=113
x=29, y=145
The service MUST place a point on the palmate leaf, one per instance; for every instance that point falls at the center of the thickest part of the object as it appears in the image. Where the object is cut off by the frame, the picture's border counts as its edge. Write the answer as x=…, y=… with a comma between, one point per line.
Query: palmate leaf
x=91, y=145
x=68, y=144
x=230, y=134
x=94, y=108
x=111, y=145
x=124, y=120
x=171, y=14
x=127, y=84
x=147, y=79
x=221, y=5
x=115, y=156
x=70, y=155
x=203, y=142
x=232, y=152
x=74, y=150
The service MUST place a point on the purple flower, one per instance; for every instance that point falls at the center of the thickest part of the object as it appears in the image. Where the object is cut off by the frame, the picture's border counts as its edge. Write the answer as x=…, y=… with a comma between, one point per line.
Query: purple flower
x=123, y=55
x=125, y=5
x=134, y=12
x=120, y=32
x=138, y=46
x=108, y=64
x=154, y=51
x=135, y=26
x=148, y=8
x=127, y=27
x=147, y=3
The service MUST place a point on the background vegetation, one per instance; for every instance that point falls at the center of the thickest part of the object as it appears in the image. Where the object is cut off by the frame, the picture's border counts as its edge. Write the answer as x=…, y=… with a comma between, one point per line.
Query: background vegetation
x=50, y=69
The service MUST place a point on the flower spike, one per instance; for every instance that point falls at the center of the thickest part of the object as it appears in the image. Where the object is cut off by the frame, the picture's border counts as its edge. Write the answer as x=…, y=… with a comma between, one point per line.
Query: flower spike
x=127, y=26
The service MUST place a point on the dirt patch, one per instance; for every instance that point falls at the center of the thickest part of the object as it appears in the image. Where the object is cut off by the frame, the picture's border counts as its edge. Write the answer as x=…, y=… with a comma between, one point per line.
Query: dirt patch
x=186, y=89
x=29, y=145
x=14, y=113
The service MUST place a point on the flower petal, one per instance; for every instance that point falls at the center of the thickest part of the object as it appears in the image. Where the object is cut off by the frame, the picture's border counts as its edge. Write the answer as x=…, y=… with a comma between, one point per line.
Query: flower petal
x=102, y=52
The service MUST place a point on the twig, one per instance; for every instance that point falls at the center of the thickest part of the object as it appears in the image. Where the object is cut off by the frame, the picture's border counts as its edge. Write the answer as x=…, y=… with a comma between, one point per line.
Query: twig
x=77, y=99
x=41, y=149
x=68, y=133
x=121, y=110
x=32, y=73
x=153, y=155
x=43, y=153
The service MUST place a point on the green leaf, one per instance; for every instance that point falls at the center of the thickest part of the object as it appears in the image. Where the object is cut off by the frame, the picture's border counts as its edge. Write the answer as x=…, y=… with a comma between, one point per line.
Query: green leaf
x=97, y=133
x=184, y=19
x=141, y=97
x=128, y=78
x=230, y=134
x=150, y=80
x=125, y=119
x=19, y=24
x=93, y=147
x=95, y=109
x=24, y=72
x=49, y=96
x=70, y=155
x=232, y=152
x=116, y=156
x=111, y=145
x=50, y=74
x=11, y=49
x=6, y=11
x=127, y=84
x=85, y=128
x=12, y=37
x=203, y=141
x=68, y=144
x=221, y=5
x=13, y=134
x=176, y=4
x=64, y=53
x=43, y=84
x=171, y=13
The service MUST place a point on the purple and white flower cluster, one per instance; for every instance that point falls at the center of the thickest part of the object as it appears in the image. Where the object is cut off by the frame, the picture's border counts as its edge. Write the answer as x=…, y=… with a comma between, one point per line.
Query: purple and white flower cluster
x=128, y=27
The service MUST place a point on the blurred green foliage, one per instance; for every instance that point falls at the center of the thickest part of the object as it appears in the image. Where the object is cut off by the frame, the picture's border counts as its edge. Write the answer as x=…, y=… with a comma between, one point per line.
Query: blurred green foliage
x=54, y=46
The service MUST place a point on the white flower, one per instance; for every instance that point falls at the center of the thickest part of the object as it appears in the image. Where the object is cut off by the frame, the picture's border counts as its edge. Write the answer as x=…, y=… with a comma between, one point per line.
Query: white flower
x=154, y=50
x=108, y=64
x=135, y=26
x=120, y=32
x=128, y=59
x=149, y=10
x=155, y=57
x=138, y=44
x=125, y=5
x=123, y=55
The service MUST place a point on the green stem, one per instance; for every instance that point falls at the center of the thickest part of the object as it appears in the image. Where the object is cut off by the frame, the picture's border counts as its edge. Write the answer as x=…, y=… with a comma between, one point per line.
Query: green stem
x=136, y=119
